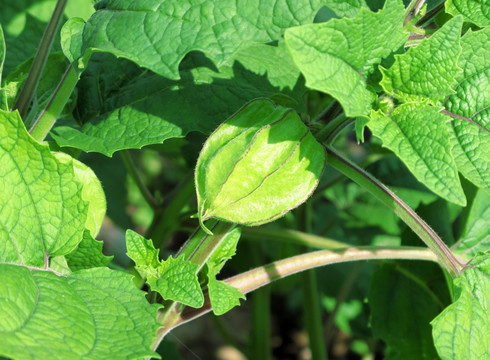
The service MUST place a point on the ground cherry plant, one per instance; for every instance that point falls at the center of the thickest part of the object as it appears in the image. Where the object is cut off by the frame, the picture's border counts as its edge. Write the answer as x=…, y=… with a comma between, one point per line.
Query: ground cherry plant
x=230, y=145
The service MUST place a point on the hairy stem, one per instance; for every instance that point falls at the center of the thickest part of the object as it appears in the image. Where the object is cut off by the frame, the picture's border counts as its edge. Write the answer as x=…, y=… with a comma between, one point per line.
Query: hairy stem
x=311, y=303
x=30, y=85
x=399, y=207
x=261, y=315
x=197, y=249
x=264, y=275
x=47, y=118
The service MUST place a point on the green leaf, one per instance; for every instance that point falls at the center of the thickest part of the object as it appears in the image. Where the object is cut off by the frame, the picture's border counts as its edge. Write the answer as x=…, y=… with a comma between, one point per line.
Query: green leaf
x=476, y=237
x=50, y=79
x=470, y=109
x=461, y=330
x=425, y=73
x=72, y=38
x=475, y=11
x=144, y=108
x=163, y=32
x=142, y=252
x=252, y=160
x=43, y=213
x=263, y=59
x=224, y=252
x=419, y=136
x=174, y=279
x=92, y=192
x=346, y=8
x=336, y=57
x=88, y=254
x=92, y=314
x=402, y=306
x=2, y=53
x=23, y=23
x=223, y=296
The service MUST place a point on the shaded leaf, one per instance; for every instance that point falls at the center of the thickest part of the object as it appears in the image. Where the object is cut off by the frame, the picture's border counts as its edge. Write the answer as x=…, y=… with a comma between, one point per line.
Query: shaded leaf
x=88, y=254
x=164, y=31
x=145, y=108
x=402, y=306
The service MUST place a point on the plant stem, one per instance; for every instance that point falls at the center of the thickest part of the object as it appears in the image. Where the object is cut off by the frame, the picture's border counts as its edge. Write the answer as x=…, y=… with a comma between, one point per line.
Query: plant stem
x=47, y=118
x=312, y=312
x=166, y=218
x=133, y=172
x=328, y=133
x=412, y=10
x=261, y=315
x=198, y=248
x=30, y=85
x=399, y=207
x=342, y=295
x=311, y=304
x=264, y=275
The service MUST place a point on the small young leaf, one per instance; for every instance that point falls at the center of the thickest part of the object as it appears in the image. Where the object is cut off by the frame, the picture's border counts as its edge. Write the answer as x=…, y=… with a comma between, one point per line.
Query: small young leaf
x=223, y=296
x=475, y=11
x=71, y=39
x=336, y=57
x=470, y=109
x=419, y=136
x=88, y=254
x=425, y=73
x=92, y=314
x=461, y=330
x=476, y=235
x=43, y=213
x=174, y=279
x=257, y=165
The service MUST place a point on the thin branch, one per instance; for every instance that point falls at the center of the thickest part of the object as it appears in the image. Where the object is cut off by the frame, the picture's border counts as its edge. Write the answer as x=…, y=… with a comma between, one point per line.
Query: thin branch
x=131, y=167
x=47, y=118
x=447, y=259
x=30, y=85
x=264, y=275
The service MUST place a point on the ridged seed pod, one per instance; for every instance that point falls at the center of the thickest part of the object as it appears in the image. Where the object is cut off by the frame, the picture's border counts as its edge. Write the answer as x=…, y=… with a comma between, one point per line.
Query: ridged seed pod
x=257, y=165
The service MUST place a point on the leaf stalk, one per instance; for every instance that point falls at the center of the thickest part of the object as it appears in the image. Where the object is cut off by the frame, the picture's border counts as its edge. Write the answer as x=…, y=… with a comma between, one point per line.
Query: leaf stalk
x=30, y=85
